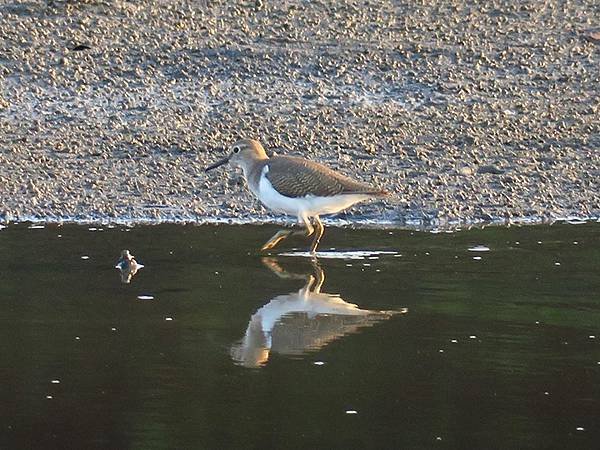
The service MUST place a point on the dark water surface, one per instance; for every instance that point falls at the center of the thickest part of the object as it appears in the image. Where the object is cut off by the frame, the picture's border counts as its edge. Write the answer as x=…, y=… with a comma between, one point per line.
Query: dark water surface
x=441, y=350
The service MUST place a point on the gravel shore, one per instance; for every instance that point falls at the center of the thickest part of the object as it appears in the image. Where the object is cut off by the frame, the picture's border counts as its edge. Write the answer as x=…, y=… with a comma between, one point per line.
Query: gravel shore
x=110, y=110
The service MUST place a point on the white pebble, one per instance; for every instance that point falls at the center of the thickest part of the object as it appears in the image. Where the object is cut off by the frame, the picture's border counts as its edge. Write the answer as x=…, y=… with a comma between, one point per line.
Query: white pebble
x=145, y=297
x=49, y=397
x=318, y=363
x=55, y=382
x=85, y=257
x=168, y=318
x=351, y=411
x=580, y=429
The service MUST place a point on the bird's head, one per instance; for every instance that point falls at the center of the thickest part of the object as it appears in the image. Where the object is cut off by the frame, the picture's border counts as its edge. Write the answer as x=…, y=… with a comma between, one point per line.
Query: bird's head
x=242, y=154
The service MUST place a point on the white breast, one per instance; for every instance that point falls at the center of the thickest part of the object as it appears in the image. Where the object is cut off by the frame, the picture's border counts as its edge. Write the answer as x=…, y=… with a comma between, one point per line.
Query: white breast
x=308, y=206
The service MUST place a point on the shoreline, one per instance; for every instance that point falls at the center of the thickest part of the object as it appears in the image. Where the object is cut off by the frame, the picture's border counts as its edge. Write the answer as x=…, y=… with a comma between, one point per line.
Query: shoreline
x=434, y=225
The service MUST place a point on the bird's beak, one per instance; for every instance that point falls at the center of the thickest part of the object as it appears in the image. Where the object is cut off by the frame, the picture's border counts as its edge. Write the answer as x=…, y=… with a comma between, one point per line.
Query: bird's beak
x=218, y=163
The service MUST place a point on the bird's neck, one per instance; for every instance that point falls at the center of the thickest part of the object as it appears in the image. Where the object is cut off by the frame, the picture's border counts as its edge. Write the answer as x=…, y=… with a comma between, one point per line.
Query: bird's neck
x=252, y=172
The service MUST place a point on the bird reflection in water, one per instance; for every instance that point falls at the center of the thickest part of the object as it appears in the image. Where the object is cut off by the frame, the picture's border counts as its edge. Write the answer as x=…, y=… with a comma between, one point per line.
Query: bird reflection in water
x=302, y=321
x=128, y=266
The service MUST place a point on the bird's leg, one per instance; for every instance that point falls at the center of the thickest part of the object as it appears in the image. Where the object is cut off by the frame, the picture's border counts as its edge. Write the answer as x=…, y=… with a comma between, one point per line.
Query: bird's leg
x=319, y=229
x=283, y=234
x=276, y=239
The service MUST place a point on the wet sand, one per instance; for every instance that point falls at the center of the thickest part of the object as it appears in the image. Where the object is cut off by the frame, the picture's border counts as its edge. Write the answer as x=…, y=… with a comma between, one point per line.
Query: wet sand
x=110, y=110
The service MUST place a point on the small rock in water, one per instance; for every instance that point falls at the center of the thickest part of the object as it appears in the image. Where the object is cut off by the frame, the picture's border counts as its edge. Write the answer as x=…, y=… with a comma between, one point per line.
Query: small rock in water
x=55, y=382
x=318, y=363
x=580, y=429
x=351, y=411
x=168, y=318
x=49, y=397
x=85, y=257
x=145, y=297
x=476, y=258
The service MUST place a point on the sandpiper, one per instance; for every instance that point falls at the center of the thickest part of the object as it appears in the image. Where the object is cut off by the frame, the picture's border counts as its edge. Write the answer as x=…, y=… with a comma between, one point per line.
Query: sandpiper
x=296, y=186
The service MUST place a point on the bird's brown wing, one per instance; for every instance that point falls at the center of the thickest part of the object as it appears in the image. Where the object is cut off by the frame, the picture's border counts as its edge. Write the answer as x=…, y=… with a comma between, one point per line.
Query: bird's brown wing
x=298, y=177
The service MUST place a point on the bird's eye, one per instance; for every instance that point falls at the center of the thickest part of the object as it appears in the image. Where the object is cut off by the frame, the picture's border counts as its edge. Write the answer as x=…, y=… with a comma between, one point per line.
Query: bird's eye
x=236, y=149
